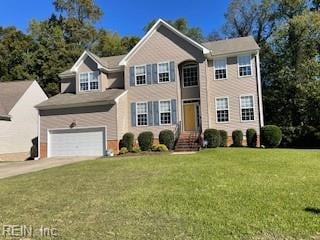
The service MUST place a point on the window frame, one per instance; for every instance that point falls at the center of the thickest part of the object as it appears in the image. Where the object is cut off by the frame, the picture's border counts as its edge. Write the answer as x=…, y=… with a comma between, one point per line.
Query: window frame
x=238, y=64
x=88, y=75
x=165, y=124
x=145, y=74
x=216, y=106
x=158, y=72
x=147, y=113
x=253, y=106
x=194, y=65
x=214, y=68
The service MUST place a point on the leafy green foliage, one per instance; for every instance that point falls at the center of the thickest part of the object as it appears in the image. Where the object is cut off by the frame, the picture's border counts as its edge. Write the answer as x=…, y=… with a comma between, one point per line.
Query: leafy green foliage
x=159, y=148
x=145, y=140
x=212, y=136
x=166, y=137
x=301, y=137
x=123, y=150
x=136, y=150
x=271, y=136
x=251, y=136
x=223, y=138
x=127, y=141
x=237, y=138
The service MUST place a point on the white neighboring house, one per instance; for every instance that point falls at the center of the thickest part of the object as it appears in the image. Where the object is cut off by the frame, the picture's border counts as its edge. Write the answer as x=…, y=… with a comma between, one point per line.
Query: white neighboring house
x=18, y=118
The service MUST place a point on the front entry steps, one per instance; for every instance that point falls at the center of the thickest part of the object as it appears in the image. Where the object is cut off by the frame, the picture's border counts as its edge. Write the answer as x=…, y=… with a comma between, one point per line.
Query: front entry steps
x=188, y=142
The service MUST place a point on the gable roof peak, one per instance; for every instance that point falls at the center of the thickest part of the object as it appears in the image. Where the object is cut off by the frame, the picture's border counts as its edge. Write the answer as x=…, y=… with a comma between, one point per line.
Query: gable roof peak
x=161, y=22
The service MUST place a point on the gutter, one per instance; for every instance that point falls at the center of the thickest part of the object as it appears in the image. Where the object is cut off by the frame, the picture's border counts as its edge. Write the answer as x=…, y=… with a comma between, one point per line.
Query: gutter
x=87, y=104
x=5, y=117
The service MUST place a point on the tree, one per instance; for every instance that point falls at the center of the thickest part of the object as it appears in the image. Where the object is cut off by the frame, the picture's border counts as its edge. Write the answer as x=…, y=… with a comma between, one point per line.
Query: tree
x=82, y=10
x=129, y=42
x=16, y=55
x=181, y=24
x=108, y=44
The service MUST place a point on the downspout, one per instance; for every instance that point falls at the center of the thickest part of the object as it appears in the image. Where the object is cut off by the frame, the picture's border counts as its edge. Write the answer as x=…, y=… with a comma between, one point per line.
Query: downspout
x=259, y=89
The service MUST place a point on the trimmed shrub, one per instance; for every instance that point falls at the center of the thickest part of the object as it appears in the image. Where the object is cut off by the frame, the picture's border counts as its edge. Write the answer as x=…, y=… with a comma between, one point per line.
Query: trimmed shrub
x=223, y=138
x=159, y=148
x=145, y=140
x=166, y=137
x=251, y=135
x=127, y=141
x=212, y=136
x=123, y=150
x=271, y=136
x=237, y=138
x=136, y=150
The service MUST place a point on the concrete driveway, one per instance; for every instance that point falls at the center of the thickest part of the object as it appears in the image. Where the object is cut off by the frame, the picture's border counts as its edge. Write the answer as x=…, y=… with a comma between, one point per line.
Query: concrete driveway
x=9, y=169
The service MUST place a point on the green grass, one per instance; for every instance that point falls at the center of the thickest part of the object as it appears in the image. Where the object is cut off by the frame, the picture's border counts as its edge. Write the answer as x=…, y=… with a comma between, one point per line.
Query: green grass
x=231, y=193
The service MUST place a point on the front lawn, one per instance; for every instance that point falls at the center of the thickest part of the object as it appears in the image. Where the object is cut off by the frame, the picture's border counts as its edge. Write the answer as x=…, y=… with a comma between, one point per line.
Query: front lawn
x=215, y=194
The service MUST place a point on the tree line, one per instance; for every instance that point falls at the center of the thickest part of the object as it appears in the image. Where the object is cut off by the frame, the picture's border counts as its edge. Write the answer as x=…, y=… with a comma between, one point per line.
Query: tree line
x=287, y=31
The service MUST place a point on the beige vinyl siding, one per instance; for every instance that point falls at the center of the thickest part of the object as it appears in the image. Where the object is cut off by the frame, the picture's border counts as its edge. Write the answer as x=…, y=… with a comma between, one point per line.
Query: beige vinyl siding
x=115, y=80
x=233, y=87
x=93, y=116
x=122, y=115
x=162, y=46
x=68, y=85
x=16, y=135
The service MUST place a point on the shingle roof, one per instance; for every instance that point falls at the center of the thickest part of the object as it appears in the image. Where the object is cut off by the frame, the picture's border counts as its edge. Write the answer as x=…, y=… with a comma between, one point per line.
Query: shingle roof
x=112, y=61
x=233, y=45
x=10, y=93
x=66, y=100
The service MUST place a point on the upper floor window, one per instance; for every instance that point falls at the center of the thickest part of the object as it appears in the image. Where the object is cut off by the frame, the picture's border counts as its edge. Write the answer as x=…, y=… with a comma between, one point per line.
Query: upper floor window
x=89, y=81
x=140, y=72
x=222, y=108
x=244, y=64
x=163, y=72
x=220, y=69
x=165, y=112
x=142, y=114
x=247, y=108
x=190, y=75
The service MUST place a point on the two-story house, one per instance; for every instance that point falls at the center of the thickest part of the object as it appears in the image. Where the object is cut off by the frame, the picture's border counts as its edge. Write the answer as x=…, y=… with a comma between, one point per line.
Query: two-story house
x=167, y=81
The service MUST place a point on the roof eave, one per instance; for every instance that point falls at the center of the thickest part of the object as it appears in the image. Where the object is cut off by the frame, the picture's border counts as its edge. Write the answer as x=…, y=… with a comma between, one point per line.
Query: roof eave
x=5, y=117
x=87, y=104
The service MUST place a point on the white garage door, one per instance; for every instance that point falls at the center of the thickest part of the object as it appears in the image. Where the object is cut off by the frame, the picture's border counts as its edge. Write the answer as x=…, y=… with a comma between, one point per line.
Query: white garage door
x=76, y=142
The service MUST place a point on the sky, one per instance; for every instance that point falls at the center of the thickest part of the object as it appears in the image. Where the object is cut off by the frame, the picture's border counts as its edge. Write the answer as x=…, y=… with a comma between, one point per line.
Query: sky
x=126, y=17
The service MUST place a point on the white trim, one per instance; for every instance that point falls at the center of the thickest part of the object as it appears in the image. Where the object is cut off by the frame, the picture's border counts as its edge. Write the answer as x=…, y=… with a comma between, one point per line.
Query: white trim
x=122, y=94
x=224, y=97
x=259, y=89
x=105, y=136
x=144, y=102
x=238, y=66
x=214, y=68
x=240, y=108
x=160, y=22
x=165, y=124
x=89, y=88
x=158, y=72
x=145, y=74
x=182, y=73
x=233, y=54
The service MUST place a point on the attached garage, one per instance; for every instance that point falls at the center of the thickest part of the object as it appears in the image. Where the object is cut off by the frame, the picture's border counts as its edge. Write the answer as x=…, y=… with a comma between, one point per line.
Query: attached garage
x=77, y=142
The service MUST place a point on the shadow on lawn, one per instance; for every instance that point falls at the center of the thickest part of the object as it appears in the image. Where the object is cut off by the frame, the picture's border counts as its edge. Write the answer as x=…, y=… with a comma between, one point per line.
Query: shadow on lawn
x=313, y=210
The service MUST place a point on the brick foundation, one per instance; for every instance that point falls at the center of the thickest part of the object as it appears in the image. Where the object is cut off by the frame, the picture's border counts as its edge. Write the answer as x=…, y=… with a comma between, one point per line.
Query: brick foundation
x=43, y=150
x=113, y=145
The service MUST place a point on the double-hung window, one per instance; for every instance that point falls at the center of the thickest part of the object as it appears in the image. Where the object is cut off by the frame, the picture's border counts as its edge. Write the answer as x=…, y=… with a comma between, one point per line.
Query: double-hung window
x=163, y=72
x=247, y=108
x=142, y=114
x=222, y=108
x=140, y=75
x=165, y=112
x=244, y=64
x=220, y=69
x=190, y=75
x=89, y=81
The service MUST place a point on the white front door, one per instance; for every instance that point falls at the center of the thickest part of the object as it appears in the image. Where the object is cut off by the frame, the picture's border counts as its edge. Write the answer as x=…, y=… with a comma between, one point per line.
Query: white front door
x=76, y=142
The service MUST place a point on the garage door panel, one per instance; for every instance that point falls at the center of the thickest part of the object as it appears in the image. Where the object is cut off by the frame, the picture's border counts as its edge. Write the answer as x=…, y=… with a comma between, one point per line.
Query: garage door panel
x=77, y=142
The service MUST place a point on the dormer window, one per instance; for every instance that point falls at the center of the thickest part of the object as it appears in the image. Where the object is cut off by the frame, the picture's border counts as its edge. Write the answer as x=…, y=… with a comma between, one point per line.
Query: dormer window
x=89, y=81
